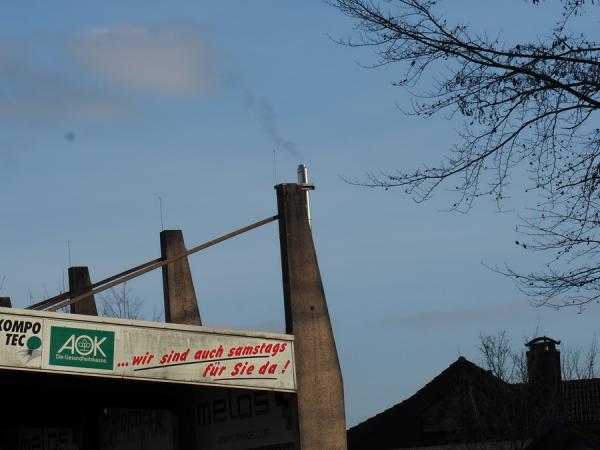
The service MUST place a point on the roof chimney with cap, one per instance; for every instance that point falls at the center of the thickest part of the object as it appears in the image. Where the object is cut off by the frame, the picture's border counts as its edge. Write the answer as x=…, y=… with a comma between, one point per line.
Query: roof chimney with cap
x=543, y=364
x=544, y=374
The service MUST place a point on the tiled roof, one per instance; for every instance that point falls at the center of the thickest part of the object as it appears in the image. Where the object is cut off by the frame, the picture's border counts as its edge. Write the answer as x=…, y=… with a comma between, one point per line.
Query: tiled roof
x=581, y=400
x=406, y=416
x=405, y=425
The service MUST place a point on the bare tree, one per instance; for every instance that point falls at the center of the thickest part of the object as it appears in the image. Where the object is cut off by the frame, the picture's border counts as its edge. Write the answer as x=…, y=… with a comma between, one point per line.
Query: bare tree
x=510, y=365
x=118, y=302
x=580, y=364
x=499, y=357
x=532, y=104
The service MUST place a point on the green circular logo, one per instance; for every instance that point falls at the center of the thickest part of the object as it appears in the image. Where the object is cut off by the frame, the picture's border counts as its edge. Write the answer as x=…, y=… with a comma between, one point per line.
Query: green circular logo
x=34, y=342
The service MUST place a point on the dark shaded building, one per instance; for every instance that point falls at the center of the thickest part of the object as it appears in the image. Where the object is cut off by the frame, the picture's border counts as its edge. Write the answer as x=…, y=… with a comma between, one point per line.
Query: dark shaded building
x=467, y=407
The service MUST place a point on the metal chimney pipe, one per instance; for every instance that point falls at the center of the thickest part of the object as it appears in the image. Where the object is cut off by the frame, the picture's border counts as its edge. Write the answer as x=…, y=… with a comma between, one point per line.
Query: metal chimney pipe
x=303, y=179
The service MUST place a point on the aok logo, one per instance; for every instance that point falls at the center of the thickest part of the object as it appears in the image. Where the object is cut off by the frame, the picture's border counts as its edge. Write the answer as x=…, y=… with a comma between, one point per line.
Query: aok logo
x=77, y=347
x=84, y=346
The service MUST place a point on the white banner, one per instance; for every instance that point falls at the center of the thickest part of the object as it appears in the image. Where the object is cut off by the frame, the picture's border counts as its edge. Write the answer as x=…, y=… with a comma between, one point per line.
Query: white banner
x=145, y=350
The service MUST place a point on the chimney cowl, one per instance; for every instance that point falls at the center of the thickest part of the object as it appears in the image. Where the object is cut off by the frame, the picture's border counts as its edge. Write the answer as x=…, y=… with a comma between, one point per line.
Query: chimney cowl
x=303, y=181
x=542, y=343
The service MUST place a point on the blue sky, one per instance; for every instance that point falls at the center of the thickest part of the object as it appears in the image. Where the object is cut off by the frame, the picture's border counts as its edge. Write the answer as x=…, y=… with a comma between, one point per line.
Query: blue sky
x=105, y=107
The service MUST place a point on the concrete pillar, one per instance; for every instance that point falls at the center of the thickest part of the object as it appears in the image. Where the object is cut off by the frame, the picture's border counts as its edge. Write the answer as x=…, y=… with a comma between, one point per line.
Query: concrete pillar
x=5, y=302
x=178, y=287
x=180, y=307
x=321, y=416
x=79, y=283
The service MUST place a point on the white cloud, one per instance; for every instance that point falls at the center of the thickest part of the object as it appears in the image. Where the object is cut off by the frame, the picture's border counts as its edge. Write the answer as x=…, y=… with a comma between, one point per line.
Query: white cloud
x=42, y=80
x=166, y=59
x=32, y=91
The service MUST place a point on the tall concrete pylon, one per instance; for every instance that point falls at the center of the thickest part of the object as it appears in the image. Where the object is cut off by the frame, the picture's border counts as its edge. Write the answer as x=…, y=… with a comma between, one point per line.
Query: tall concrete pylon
x=180, y=307
x=321, y=415
x=79, y=283
x=180, y=297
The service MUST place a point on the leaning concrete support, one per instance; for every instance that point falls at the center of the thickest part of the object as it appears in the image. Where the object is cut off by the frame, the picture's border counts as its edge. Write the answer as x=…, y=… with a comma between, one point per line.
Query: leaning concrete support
x=178, y=287
x=79, y=283
x=320, y=395
x=180, y=307
x=5, y=302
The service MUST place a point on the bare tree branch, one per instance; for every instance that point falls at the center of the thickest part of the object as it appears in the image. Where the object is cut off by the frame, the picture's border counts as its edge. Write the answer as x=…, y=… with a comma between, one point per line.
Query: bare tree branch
x=118, y=302
x=529, y=104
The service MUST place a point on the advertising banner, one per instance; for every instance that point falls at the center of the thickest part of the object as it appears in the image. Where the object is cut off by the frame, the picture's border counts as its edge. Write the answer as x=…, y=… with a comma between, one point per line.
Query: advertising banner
x=145, y=350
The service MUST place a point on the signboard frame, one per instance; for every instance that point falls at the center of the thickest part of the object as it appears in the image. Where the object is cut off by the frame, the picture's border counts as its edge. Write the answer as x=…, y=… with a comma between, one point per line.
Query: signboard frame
x=77, y=345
